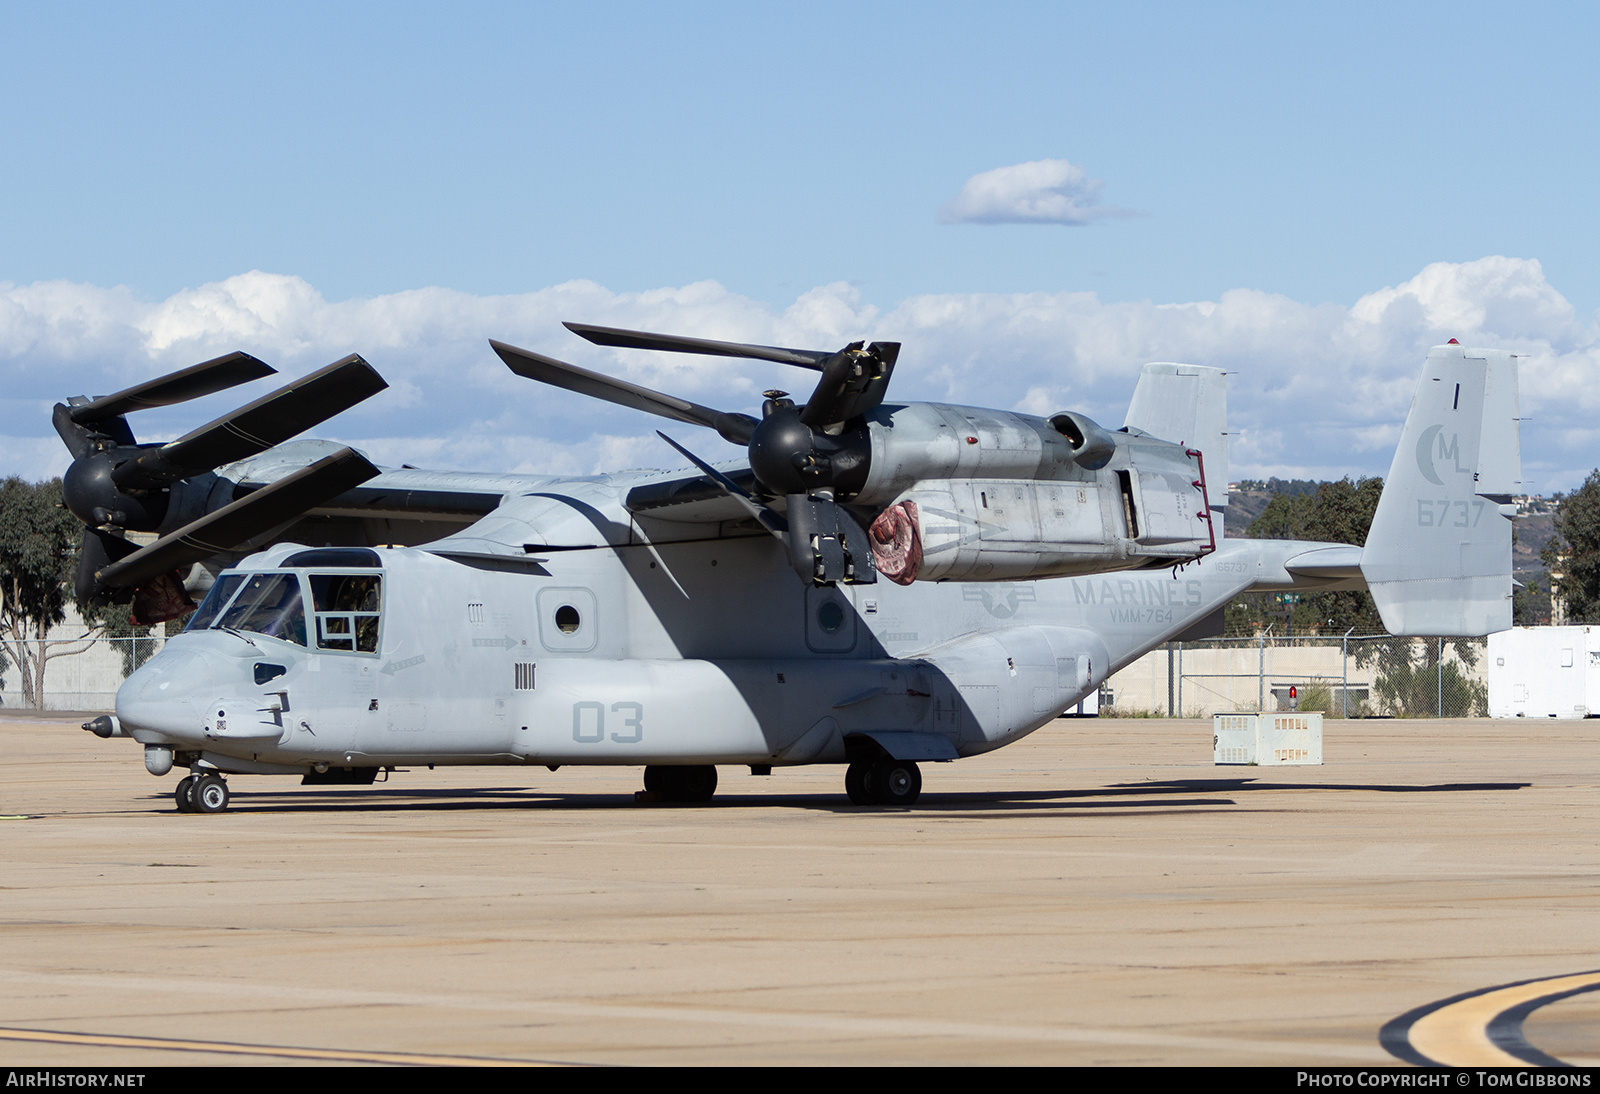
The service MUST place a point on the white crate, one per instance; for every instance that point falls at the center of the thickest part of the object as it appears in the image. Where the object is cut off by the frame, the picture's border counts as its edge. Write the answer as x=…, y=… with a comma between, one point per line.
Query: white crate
x=1233, y=738
x=1267, y=740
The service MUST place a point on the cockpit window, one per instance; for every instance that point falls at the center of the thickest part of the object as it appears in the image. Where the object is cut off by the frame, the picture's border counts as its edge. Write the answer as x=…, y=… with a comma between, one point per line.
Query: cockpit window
x=347, y=608
x=268, y=604
x=222, y=591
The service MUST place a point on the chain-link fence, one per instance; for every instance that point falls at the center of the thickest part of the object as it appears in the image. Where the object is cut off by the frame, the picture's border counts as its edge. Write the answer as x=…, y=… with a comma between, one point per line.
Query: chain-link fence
x=80, y=674
x=1352, y=676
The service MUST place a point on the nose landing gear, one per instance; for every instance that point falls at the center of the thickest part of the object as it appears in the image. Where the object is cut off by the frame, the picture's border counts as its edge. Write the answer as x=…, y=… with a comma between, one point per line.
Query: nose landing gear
x=205, y=793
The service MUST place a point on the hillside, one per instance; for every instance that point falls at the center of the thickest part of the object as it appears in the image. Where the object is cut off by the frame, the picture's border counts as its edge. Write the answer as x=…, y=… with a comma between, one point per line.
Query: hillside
x=1247, y=500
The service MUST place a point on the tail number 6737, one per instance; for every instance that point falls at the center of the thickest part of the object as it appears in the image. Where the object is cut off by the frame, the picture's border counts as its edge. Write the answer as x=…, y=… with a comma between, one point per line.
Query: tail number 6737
x=1435, y=513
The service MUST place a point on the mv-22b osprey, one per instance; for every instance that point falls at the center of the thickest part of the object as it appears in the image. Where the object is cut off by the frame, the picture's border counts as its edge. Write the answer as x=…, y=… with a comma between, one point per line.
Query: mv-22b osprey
x=732, y=616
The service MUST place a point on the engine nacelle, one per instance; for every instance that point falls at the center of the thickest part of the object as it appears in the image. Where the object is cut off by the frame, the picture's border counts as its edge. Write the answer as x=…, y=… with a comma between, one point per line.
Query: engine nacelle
x=932, y=441
x=989, y=495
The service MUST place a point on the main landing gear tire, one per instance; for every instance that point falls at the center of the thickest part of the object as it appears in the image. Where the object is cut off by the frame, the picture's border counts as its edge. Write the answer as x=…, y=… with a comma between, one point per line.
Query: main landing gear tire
x=682, y=783
x=895, y=782
x=183, y=793
x=210, y=794
x=855, y=784
x=886, y=782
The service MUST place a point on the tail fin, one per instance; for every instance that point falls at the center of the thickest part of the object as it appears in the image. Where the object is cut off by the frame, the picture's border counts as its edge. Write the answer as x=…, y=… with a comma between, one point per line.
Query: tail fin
x=1188, y=404
x=1438, y=557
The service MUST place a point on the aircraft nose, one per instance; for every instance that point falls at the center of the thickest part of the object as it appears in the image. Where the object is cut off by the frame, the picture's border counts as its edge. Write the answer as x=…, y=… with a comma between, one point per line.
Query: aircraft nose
x=163, y=695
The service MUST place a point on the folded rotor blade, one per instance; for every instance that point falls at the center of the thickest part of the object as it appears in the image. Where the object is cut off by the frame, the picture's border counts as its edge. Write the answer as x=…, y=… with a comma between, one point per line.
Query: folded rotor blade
x=535, y=366
x=84, y=440
x=97, y=551
x=250, y=516
x=638, y=339
x=271, y=419
x=176, y=387
x=854, y=381
x=764, y=516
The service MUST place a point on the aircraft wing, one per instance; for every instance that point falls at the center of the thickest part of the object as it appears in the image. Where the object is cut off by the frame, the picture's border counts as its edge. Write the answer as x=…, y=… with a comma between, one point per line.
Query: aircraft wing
x=693, y=499
x=400, y=505
x=397, y=501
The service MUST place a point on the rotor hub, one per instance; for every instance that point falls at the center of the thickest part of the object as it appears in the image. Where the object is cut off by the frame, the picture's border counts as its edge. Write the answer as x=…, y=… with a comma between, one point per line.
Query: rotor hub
x=92, y=496
x=789, y=457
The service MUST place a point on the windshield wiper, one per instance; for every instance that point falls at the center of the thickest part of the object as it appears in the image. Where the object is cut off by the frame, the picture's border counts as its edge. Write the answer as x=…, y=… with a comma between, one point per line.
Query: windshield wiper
x=238, y=634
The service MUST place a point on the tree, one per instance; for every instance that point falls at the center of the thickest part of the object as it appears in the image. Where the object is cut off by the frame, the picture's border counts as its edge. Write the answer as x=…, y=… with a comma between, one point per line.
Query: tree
x=1530, y=605
x=1343, y=513
x=136, y=642
x=1573, y=554
x=1413, y=681
x=38, y=553
x=1338, y=512
x=1284, y=517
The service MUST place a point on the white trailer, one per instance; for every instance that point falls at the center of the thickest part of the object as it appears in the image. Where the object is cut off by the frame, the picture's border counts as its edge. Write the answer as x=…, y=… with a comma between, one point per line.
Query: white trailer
x=1544, y=672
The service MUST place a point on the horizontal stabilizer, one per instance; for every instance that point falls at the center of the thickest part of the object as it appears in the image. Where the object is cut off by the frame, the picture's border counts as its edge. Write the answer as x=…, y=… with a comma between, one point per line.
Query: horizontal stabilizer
x=1329, y=563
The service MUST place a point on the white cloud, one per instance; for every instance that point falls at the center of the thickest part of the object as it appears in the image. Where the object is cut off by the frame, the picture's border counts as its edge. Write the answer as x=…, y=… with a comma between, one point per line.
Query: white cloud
x=1316, y=390
x=1037, y=192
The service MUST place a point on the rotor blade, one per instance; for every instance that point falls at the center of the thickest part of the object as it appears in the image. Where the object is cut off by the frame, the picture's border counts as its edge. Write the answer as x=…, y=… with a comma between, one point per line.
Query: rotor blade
x=764, y=516
x=82, y=440
x=175, y=387
x=675, y=343
x=256, y=427
x=97, y=551
x=547, y=370
x=250, y=516
x=854, y=381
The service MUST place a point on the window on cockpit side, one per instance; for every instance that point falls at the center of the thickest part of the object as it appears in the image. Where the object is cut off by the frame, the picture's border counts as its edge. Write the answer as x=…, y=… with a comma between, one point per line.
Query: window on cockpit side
x=346, y=607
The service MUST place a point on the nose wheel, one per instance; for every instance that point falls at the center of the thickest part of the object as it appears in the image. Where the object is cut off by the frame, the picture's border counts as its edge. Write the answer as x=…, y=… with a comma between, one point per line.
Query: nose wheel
x=883, y=782
x=206, y=793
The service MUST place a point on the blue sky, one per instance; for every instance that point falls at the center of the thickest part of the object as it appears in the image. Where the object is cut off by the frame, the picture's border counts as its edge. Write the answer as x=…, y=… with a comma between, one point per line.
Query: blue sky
x=1307, y=156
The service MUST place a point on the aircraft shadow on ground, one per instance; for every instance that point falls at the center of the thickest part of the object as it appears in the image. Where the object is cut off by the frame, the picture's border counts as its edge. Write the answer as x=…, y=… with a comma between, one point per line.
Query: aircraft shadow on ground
x=1179, y=795
x=1241, y=785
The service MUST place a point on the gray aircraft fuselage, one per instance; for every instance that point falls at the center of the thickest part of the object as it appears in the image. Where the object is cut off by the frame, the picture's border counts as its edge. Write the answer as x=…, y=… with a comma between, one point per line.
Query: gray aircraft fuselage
x=708, y=651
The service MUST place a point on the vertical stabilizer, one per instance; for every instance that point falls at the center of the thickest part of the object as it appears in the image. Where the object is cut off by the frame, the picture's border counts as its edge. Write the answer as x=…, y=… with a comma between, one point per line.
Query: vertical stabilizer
x=1188, y=404
x=1438, y=557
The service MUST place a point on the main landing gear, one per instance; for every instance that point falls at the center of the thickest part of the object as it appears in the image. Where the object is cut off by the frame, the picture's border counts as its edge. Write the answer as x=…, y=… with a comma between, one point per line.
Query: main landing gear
x=681, y=783
x=203, y=793
x=883, y=782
